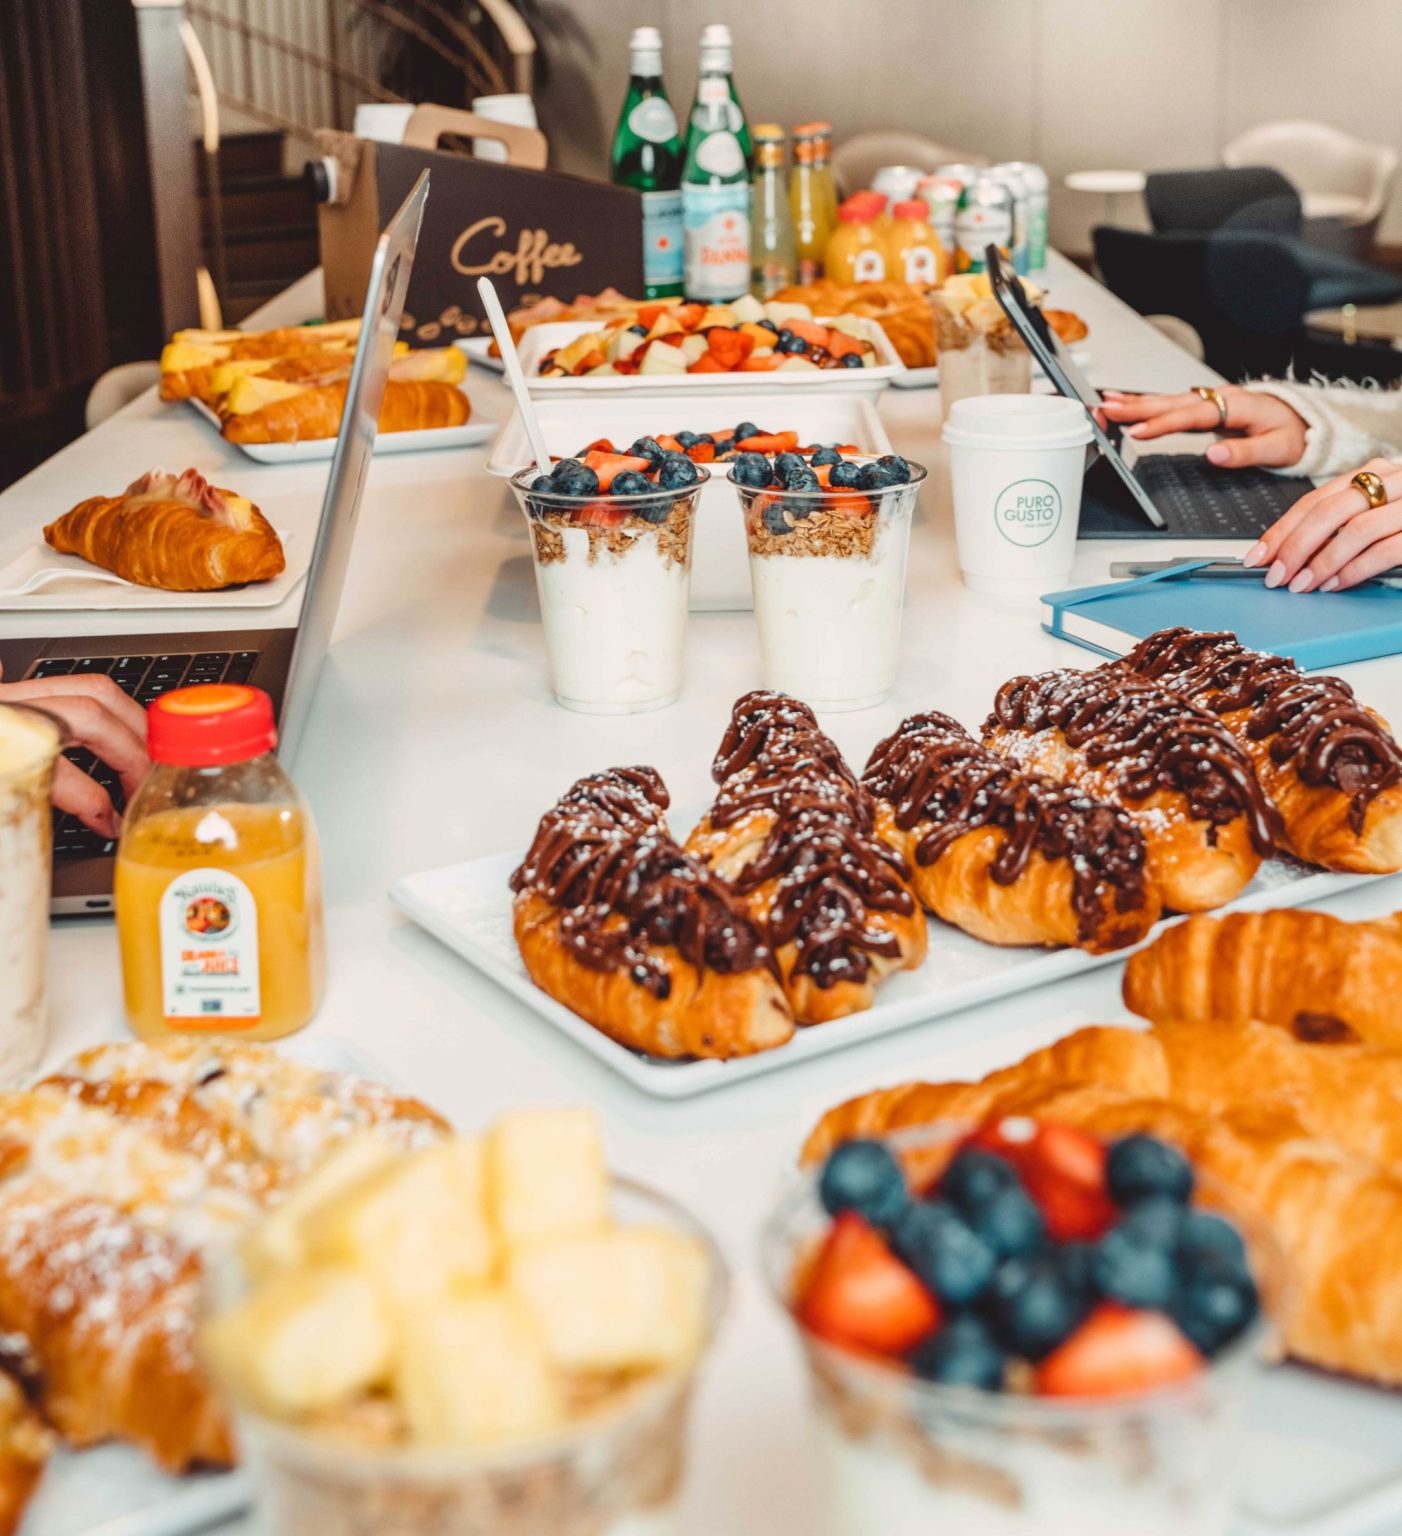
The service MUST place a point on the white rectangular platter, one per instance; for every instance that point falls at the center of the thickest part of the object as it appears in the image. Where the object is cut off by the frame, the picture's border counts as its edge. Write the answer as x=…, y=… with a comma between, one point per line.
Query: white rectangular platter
x=540, y=339
x=469, y=435
x=928, y=378
x=468, y=908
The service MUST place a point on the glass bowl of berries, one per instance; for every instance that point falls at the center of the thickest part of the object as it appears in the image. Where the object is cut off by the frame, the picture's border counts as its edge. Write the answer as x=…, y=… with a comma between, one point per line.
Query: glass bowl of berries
x=1022, y=1328
x=827, y=539
x=611, y=544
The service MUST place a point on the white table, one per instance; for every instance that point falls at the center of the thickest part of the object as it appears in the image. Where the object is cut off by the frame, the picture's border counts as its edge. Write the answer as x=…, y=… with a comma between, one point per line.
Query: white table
x=433, y=738
x=1109, y=185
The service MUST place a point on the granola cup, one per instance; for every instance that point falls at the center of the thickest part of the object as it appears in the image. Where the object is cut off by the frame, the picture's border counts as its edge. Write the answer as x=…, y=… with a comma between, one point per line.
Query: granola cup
x=902, y=1456
x=616, y=1471
x=613, y=574
x=827, y=570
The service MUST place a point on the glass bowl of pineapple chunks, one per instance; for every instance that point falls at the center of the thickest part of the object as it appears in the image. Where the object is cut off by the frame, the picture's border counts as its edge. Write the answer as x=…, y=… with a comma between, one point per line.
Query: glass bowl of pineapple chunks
x=490, y=1336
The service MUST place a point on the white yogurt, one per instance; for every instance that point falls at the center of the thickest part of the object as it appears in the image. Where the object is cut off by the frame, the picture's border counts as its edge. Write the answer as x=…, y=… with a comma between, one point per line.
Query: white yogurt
x=28, y=745
x=615, y=628
x=830, y=626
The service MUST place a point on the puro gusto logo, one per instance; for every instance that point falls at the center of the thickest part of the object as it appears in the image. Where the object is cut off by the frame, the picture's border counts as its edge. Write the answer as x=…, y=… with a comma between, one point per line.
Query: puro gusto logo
x=1028, y=512
x=535, y=253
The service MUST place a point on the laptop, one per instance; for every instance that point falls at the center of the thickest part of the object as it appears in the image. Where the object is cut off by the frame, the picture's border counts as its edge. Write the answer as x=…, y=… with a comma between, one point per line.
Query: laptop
x=1158, y=495
x=283, y=662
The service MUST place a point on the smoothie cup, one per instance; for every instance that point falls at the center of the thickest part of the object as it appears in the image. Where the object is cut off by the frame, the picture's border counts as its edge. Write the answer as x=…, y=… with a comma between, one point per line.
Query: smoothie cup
x=30, y=742
x=614, y=578
x=827, y=570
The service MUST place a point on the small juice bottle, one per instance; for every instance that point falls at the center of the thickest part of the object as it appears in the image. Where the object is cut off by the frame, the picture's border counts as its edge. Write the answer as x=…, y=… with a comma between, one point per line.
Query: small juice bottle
x=912, y=248
x=218, y=880
x=856, y=251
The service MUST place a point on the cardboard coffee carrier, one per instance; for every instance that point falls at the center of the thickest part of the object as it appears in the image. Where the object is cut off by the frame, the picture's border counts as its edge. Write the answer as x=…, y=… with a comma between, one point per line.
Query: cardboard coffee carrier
x=535, y=233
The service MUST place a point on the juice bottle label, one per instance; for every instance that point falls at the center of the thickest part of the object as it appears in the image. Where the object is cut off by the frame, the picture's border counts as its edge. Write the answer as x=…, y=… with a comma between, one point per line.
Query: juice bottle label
x=662, y=240
x=869, y=266
x=717, y=230
x=921, y=264
x=209, y=952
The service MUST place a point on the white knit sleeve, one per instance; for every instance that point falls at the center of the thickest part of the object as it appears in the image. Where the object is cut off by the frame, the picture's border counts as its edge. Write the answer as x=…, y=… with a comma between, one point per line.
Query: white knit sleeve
x=1346, y=424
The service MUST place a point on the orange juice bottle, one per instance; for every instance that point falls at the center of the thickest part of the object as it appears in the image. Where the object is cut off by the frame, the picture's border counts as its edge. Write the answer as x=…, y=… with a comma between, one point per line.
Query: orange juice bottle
x=218, y=880
x=912, y=249
x=856, y=250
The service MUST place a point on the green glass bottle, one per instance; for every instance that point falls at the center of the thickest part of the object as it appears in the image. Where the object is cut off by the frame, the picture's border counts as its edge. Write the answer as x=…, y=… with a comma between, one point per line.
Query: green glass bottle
x=647, y=156
x=716, y=180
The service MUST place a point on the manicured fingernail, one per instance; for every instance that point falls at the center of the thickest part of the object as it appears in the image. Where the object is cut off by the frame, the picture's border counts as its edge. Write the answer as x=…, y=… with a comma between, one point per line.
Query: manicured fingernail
x=1218, y=453
x=1137, y=430
x=1255, y=555
x=1332, y=585
x=1303, y=581
x=1112, y=394
x=1276, y=574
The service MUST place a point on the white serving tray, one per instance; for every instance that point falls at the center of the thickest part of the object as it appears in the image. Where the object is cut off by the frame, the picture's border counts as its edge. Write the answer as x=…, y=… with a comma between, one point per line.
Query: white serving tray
x=468, y=907
x=540, y=339
x=928, y=378
x=479, y=351
x=477, y=430
x=720, y=564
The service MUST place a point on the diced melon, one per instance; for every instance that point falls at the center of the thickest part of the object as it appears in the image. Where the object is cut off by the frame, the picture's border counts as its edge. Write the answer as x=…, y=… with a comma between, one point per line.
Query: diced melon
x=546, y=1172
x=779, y=313
x=747, y=307
x=718, y=314
x=667, y=325
x=623, y=344
x=600, y=368
x=692, y=347
x=663, y=357
x=794, y=364
x=851, y=325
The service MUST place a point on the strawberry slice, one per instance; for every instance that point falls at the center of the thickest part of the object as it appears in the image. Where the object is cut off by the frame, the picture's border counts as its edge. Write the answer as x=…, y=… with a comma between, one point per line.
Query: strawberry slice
x=607, y=465
x=1118, y=1350
x=851, y=504
x=601, y=514
x=860, y=1294
x=1063, y=1169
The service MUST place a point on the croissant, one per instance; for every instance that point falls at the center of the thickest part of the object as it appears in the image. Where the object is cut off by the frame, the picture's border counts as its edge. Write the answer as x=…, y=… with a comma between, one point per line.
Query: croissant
x=795, y=836
x=1336, y=1216
x=1008, y=856
x=189, y=361
x=1332, y=766
x=616, y=922
x=25, y=1447
x=178, y=534
x=414, y=405
x=1294, y=967
x=1175, y=769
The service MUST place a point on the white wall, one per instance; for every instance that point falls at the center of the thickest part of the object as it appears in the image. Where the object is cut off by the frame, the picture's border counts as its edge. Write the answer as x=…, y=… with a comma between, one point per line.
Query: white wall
x=1074, y=84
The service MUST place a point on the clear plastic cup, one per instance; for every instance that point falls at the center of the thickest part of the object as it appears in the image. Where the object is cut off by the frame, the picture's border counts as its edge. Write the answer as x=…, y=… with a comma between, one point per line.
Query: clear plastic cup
x=827, y=571
x=899, y=1456
x=978, y=360
x=617, y=1472
x=30, y=741
x=614, y=578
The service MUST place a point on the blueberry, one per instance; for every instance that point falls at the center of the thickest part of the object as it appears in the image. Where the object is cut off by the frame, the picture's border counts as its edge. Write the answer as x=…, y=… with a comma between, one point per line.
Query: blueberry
x=648, y=448
x=575, y=479
x=875, y=477
x=1139, y=1166
x=638, y=330
x=788, y=465
x=845, y=476
x=1010, y=1223
x=954, y=1263
x=863, y=1176
x=677, y=470
x=896, y=465
x=850, y=360
x=825, y=455
x=747, y=429
x=788, y=342
x=1035, y=1305
x=752, y=469
x=963, y=1353
x=774, y=519
x=628, y=482
x=1205, y=1235
x=974, y=1177
x=724, y=446
x=804, y=480
x=687, y=439
x=1156, y=1222
x=543, y=483
x=1213, y=1306
x=658, y=510
x=1134, y=1272
x=768, y=325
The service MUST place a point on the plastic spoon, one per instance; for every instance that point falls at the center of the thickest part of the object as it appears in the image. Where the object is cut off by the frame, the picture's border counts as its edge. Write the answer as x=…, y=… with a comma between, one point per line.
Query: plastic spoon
x=514, y=374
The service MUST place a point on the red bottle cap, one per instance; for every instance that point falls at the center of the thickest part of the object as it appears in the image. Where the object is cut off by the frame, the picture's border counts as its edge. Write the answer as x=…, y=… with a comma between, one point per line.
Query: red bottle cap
x=210, y=724
x=913, y=208
x=860, y=207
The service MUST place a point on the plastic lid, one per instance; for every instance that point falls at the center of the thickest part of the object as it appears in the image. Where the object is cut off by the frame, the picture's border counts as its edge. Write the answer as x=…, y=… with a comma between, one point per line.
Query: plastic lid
x=209, y=724
x=1017, y=421
x=861, y=206
x=770, y=131
x=646, y=37
x=716, y=35
x=912, y=208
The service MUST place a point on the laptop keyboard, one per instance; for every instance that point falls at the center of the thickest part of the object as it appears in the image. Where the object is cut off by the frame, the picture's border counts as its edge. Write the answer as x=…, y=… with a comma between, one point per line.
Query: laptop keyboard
x=145, y=678
x=1198, y=499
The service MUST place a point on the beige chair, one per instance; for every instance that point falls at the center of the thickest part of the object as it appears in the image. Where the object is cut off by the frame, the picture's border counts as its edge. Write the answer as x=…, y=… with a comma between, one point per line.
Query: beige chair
x=1343, y=182
x=859, y=159
x=117, y=387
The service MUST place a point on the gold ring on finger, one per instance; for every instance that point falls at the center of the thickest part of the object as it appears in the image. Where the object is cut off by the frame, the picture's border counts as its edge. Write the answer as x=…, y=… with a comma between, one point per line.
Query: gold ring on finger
x=1371, y=486
x=1213, y=397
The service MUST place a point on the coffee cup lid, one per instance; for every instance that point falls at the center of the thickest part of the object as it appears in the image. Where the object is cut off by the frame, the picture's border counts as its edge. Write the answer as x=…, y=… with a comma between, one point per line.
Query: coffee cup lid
x=1017, y=421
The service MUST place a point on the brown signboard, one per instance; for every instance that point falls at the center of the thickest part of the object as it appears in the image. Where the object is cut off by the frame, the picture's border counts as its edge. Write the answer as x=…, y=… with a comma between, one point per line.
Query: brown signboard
x=535, y=233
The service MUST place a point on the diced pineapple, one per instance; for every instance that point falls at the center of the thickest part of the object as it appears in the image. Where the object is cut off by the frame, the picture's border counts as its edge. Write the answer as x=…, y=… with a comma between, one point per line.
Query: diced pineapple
x=306, y=1339
x=252, y=392
x=663, y=357
x=416, y=1227
x=280, y=1238
x=781, y=313
x=718, y=314
x=473, y=1369
x=693, y=347
x=626, y=1299
x=546, y=1166
x=747, y=307
x=177, y=355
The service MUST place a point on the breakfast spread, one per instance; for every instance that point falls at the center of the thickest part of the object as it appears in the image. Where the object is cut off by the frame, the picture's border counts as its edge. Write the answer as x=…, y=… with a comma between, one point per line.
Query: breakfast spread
x=175, y=532
x=493, y=1299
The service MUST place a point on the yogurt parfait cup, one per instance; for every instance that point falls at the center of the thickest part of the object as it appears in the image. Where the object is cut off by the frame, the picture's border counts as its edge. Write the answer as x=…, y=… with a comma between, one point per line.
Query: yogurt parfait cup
x=827, y=572
x=898, y=1455
x=614, y=578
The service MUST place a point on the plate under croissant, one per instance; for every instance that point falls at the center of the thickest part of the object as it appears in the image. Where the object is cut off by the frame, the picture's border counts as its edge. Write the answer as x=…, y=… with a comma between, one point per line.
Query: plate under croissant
x=469, y=434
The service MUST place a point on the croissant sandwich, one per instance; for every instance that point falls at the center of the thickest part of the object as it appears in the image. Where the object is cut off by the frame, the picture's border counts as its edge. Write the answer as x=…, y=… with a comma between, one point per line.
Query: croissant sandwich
x=1331, y=765
x=177, y=533
x=1175, y=769
x=1008, y=856
x=625, y=929
x=262, y=410
x=190, y=357
x=795, y=835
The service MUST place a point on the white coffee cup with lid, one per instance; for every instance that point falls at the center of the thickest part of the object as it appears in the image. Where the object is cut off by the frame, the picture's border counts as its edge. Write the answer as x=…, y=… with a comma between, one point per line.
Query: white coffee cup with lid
x=514, y=107
x=1016, y=463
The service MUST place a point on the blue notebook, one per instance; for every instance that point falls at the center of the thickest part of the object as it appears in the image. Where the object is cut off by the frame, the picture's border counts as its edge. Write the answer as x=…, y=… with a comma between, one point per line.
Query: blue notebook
x=1316, y=629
